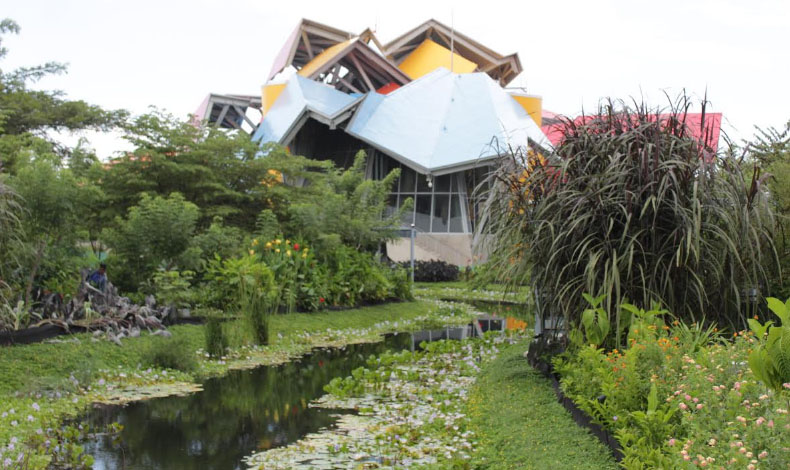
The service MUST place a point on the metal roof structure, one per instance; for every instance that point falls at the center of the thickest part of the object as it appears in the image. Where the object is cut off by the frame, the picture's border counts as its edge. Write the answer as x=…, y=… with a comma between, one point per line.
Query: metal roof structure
x=228, y=111
x=306, y=41
x=399, y=97
x=301, y=99
x=499, y=67
x=445, y=122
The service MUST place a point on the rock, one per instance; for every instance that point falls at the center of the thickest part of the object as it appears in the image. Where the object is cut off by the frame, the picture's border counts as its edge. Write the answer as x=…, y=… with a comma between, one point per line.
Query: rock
x=184, y=313
x=163, y=333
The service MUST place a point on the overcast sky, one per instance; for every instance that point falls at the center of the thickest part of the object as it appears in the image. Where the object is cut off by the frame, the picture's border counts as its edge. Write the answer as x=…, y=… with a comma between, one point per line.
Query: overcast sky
x=167, y=53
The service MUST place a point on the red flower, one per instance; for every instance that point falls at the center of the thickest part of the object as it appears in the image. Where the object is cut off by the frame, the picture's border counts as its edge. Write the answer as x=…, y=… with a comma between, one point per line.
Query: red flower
x=296, y=247
x=320, y=300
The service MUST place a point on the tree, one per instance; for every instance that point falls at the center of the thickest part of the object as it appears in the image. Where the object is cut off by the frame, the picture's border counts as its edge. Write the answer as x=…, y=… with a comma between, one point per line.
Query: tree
x=631, y=206
x=154, y=233
x=27, y=115
x=54, y=202
x=213, y=169
x=333, y=206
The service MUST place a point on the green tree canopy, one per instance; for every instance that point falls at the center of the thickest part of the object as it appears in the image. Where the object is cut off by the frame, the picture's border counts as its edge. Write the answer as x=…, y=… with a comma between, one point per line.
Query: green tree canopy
x=215, y=170
x=28, y=115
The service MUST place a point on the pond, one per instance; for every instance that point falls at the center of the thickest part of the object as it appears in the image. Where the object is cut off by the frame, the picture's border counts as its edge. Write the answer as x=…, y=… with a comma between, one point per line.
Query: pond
x=234, y=416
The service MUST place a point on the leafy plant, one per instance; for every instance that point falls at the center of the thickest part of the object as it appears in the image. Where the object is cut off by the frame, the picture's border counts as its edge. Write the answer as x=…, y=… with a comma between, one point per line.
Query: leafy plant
x=226, y=280
x=154, y=233
x=173, y=287
x=595, y=320
x=631, y=205
x=644, y=324
x=770, y=359
x=695, y=336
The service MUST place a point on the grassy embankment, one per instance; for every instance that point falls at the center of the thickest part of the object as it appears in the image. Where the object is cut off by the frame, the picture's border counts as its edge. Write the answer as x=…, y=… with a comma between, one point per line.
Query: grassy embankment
x=42, y=384
x=520, y=425
x=28, y=368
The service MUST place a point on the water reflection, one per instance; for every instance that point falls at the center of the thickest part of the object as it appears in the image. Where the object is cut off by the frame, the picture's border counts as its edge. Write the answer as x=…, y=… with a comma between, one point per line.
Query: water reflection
x=235, y=415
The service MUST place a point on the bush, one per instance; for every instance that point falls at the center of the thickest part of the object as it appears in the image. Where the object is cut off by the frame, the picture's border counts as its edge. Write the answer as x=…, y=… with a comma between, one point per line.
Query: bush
x=630, y=205
x=433, y=271
x=156, y=232
x=679, y=396
x=170, y=353
x=401, y=283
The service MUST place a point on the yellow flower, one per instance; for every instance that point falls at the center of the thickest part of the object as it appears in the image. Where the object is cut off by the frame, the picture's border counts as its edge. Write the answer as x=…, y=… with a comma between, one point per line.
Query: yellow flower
x=304, y=255
x=277, y=242
x=288, y=253
x=268, y=244
x=287, y=242
x=252, y=252
x=254, y=241
x=277, y=250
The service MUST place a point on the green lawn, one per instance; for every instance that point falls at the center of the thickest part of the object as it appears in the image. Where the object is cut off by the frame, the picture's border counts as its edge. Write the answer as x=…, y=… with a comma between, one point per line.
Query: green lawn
x=520, y=424
x=26, y=368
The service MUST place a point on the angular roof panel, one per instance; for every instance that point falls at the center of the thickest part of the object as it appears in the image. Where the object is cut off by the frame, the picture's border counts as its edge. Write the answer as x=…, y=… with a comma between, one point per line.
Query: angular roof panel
x=305, y=42
x=301, y=96
x=499, y=67
x=445, y=121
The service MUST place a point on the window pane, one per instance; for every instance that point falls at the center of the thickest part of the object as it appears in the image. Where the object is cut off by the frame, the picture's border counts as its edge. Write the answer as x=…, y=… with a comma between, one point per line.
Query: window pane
x=407, y=180
x=456, y=219
x=442, y=184
x=408, y=215
x=422, y=183
x=423, y=213
x=441, y=212
x=392, y=204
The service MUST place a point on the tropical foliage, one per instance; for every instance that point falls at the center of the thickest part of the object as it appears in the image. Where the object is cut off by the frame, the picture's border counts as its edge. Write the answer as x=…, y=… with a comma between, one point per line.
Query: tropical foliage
x=631, y=206
x=682, y=396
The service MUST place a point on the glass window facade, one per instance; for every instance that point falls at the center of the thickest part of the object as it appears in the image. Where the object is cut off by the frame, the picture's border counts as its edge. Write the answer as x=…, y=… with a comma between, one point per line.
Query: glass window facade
x=439, y=208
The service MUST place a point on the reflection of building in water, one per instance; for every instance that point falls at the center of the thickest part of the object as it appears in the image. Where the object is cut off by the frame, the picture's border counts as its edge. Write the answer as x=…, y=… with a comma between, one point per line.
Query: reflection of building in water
x=431, y=102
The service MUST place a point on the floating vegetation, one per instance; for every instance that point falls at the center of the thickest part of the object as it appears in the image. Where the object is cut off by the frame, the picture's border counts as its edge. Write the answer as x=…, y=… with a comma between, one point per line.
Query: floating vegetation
x=409, y=411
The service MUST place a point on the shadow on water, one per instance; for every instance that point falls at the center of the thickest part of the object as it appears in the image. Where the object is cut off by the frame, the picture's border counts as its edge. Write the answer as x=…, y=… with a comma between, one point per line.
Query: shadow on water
x=234, y=416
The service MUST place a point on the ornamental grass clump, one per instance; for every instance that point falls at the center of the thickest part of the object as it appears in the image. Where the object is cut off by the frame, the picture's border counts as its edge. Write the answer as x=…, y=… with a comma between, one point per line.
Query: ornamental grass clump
x=633, y=205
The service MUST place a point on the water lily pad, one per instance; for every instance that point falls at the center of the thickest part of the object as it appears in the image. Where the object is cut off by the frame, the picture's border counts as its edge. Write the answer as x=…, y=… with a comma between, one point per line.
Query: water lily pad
x=146, y=392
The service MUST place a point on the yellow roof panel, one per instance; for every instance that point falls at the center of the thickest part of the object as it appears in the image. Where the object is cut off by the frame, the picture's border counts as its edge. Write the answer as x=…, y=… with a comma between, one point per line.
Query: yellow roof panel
x=429, y=56
x=323, y=58
x=269, y=95
x=533, y=105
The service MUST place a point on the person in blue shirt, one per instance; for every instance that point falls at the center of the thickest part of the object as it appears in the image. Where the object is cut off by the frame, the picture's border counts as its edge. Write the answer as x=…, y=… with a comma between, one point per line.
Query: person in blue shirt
x=98, y=278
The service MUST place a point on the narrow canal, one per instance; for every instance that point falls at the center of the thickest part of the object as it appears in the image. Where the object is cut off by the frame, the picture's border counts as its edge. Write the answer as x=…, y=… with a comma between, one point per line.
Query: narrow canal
x=234, y=416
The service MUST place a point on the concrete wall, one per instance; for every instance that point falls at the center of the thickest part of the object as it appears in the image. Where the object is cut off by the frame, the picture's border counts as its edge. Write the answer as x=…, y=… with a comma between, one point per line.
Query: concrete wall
x=454, y=248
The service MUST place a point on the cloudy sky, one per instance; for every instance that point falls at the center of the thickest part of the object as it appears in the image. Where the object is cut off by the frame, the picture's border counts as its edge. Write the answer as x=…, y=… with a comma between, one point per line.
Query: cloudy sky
x=171, y=53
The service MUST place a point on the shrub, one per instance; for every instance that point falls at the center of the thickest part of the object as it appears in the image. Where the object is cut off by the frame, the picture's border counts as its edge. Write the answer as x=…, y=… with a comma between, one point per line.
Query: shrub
x=770, y=359
x=631, y=206
x=170, y=353
x=401, y=283
x=155, y=232
x=433, y=271
x=226, y=279
x=173, y=288
x=679, y=396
